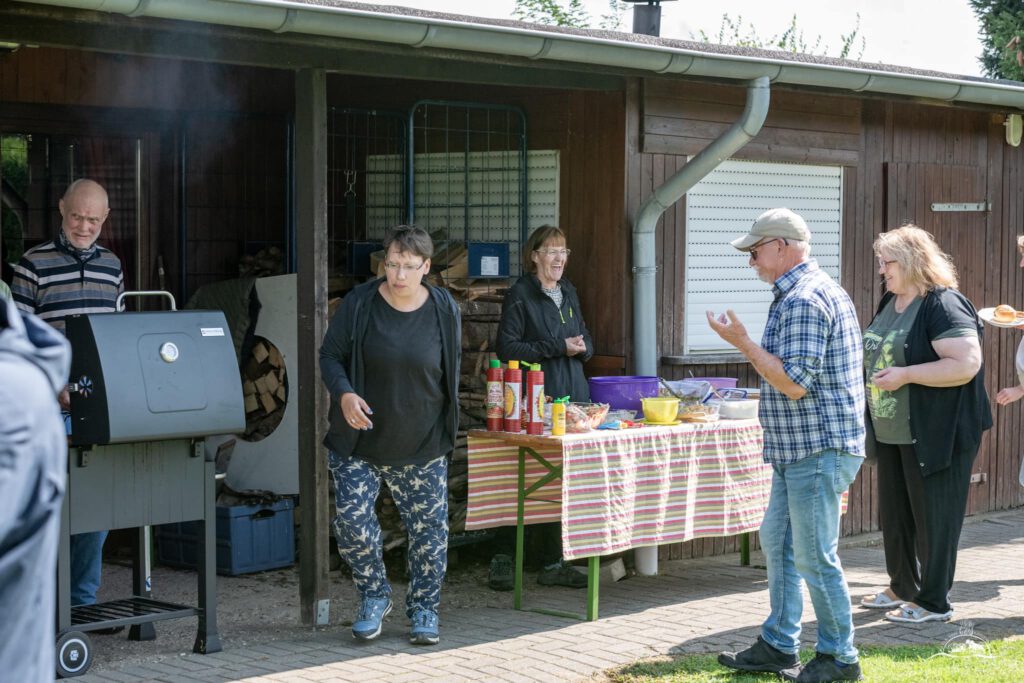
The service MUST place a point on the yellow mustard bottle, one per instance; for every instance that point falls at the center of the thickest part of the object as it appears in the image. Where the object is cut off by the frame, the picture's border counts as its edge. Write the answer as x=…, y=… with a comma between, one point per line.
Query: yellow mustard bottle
x=558, y=416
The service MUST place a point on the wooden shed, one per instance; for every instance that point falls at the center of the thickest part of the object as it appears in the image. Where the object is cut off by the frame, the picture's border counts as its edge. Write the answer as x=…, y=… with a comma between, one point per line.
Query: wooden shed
x=223, y=128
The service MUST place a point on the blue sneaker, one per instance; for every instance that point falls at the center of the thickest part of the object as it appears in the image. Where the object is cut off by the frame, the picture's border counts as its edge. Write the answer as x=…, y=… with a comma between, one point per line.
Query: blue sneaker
x=424, y=628
x=370, y=619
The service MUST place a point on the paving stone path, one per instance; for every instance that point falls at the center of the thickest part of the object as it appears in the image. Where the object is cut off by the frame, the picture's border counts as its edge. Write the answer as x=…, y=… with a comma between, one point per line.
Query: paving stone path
x=693, y=606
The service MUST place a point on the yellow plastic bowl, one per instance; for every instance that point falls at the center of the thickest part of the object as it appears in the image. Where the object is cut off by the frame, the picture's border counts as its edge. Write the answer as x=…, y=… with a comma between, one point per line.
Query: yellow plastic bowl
x=660, y=409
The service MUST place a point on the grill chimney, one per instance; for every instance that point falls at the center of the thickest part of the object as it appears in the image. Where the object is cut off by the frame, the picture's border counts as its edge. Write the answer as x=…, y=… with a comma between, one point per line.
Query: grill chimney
x=647, y=18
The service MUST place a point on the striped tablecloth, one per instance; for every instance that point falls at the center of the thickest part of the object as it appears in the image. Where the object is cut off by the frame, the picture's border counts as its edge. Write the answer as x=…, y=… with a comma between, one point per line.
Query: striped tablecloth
x=626, y=488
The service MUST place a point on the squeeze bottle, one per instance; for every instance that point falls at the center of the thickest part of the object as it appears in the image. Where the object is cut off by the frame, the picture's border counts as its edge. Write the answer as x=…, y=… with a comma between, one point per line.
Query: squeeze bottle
x=558, y=416
x=495, y=402
x=534, y=398
x=513, y=396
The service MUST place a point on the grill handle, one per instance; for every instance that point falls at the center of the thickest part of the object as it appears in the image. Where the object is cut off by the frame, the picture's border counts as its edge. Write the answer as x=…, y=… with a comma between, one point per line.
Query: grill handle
x=119, y=304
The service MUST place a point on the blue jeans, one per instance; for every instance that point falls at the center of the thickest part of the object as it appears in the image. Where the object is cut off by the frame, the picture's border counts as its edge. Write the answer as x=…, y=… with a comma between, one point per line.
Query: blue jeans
x=799, y=537
x=421, y=496
x=86, y=555
x=86, y=566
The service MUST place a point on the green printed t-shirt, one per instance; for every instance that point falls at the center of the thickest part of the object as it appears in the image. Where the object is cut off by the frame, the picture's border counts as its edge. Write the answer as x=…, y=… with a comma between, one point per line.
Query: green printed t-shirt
x=884, y=347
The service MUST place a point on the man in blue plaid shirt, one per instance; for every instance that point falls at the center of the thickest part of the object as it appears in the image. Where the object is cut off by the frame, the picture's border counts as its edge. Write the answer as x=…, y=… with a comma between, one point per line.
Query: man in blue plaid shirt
x=812, y=412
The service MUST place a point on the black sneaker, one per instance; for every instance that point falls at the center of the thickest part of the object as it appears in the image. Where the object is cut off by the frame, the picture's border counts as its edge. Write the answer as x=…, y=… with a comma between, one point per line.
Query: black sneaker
x=823, y=669
x=500, y=576
x=562, y=574
x=759, y=657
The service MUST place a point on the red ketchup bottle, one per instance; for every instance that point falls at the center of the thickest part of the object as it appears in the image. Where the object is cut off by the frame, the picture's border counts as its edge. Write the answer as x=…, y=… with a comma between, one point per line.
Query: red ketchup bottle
x=534, y=398
x=513, y=389
x=495, y=397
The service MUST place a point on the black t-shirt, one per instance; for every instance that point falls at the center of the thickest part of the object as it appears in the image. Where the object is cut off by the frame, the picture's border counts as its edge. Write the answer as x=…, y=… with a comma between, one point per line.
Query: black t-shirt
x=404, y=385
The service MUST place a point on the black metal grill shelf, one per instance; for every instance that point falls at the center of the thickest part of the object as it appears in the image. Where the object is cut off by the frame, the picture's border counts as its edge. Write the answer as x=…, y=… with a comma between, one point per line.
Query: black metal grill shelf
x=134, y=610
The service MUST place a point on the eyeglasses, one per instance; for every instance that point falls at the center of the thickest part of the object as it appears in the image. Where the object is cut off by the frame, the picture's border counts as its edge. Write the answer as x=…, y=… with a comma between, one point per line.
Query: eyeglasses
x=882, y=263
x=406, y=268
x=753, y=252
x=554, y=252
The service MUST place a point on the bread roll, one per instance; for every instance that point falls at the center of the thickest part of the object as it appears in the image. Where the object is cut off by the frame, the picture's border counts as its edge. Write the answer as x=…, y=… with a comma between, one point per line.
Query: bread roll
x=1004, y=314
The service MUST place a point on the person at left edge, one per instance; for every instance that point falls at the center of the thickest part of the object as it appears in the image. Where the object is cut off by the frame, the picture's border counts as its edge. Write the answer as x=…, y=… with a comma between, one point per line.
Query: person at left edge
x=34, y=362
x=390, y=360
x=69, y=275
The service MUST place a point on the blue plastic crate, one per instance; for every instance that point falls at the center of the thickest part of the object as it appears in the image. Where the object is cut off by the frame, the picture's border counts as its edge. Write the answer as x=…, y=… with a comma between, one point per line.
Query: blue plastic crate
x=250, y=538
x=487, y=259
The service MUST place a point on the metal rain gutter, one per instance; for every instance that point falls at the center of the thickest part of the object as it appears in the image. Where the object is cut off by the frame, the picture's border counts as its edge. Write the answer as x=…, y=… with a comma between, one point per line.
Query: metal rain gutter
x=282, y=16
x=645, y=297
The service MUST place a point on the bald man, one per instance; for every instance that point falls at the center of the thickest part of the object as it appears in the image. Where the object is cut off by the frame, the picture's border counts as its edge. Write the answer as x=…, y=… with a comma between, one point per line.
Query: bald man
x=67, y=276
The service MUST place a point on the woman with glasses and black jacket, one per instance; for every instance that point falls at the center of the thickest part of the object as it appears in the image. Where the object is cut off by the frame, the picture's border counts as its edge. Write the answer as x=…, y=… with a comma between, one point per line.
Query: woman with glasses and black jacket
x=541, y=322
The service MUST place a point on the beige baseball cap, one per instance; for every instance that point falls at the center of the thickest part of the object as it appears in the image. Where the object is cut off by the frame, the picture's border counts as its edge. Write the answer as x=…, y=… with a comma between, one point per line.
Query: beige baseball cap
x=778, y=223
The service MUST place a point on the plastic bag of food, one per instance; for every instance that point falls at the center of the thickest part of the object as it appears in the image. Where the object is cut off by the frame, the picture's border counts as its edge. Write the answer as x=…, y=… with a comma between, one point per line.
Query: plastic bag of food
x=698, y=412
x=584, y=417
x=688, y=391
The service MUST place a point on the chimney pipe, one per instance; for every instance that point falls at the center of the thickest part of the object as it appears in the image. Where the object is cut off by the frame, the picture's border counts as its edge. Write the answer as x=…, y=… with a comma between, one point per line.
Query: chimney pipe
x=647, y=18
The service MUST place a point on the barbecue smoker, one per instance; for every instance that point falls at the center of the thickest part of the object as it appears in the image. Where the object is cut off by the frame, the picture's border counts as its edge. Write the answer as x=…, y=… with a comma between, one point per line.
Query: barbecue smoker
x=146, y=389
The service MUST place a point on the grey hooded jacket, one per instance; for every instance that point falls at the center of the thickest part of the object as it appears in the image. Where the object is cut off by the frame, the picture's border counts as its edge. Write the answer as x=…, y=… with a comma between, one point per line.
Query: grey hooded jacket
x=34, y=364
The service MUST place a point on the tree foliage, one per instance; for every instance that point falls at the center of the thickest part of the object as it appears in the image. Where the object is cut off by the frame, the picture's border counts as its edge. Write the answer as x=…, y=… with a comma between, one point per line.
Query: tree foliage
x=792, y=39
x=1002, y=33
x=569, y=13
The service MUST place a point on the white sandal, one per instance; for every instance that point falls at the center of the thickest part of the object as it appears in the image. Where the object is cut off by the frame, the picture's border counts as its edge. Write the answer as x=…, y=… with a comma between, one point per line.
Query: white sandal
x=910, y=614
x=879, y=601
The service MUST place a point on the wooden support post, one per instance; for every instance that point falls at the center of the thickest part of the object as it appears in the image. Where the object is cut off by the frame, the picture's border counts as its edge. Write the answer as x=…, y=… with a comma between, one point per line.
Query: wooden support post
x=311, y=300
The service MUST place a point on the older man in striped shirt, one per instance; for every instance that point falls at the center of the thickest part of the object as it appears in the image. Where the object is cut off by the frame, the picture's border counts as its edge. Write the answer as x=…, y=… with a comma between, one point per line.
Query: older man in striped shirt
x=67, y=276
x=812, y=411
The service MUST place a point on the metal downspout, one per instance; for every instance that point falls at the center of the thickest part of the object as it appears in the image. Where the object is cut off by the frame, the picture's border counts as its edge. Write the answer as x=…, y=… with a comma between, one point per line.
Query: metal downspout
x=645, y=344
x=645, y=298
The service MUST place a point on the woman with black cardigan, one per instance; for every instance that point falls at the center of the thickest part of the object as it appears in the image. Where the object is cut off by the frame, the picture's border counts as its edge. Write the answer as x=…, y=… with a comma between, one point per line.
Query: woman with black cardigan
x=926, y=396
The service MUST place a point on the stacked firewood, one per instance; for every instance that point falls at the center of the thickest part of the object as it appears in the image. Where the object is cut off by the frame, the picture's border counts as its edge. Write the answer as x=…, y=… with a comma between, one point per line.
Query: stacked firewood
x=264, y=385
x=264, y=263
x=481, y=313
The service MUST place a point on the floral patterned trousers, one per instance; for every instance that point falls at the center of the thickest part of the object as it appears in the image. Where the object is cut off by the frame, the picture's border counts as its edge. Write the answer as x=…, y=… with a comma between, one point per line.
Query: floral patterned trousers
x=421, y=496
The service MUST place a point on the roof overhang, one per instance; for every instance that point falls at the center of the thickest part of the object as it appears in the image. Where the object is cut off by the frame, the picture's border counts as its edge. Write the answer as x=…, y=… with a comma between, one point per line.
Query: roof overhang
x=478, y=41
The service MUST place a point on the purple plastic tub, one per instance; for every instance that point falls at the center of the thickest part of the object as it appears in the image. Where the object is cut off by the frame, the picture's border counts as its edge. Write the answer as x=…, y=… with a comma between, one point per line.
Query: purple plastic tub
x=623, y=393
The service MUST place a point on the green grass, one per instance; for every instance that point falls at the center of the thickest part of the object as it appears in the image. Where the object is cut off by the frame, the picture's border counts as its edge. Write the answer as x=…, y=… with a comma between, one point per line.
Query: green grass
x=976, y=661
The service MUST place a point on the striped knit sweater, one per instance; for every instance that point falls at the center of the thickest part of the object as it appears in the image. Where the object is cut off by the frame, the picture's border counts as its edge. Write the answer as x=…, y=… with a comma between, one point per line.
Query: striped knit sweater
x=53, y=282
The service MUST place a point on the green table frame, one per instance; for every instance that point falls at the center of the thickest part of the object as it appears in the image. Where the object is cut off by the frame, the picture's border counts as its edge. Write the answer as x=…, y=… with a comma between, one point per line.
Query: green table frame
x=593, y=563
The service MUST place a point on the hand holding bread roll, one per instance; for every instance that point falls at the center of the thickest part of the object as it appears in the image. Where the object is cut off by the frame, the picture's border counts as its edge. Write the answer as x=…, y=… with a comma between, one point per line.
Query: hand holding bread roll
x=1004, y=314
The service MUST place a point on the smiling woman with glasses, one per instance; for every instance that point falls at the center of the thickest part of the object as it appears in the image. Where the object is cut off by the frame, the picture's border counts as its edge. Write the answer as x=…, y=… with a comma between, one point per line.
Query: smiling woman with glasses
x=541, y=322
x=927, y=411
x=390, y=360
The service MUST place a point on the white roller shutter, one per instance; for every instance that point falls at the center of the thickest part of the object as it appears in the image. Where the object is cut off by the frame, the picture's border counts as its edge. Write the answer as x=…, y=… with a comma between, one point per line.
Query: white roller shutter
x=721, y=208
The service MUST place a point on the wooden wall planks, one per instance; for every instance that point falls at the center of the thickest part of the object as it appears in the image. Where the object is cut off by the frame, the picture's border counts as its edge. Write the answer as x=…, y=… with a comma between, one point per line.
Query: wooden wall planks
x=897, y=158
x=616, y=147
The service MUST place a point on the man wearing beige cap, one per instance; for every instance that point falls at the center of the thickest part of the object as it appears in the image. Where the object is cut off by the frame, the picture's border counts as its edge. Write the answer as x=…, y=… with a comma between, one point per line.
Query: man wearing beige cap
x=812, y=411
